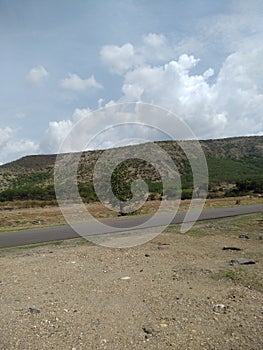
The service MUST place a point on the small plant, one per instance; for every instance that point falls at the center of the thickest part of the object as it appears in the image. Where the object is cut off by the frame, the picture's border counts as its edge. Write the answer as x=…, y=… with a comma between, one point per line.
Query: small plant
x=243, y=277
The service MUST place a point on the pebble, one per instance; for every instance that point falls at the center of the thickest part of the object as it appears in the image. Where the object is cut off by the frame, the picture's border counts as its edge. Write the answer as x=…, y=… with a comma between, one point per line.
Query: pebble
x=219, y=309
x=241, y=261
x=33, y=311
x=244, y=236
x=150, y=330
x=231, y=248
x=163, y=325
x=38, y=221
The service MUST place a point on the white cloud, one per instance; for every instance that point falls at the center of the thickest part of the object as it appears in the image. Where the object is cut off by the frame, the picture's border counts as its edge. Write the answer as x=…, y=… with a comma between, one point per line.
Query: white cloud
x=100, y=102
x=239, y=89
x=155, y=49
x=11, y=147
x=75, y=83
x=57, y=131
x=229, y=104
x=121, y=59
x=55, y=134
x=37, y=75
x=229, y=32
x=154, y=40
x=5, y=135
x=173, y=87
x=118, y=58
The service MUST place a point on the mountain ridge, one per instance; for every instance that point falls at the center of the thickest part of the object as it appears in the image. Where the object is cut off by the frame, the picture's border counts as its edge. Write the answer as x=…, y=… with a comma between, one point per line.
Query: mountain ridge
x=229, y=160
x=50, y=158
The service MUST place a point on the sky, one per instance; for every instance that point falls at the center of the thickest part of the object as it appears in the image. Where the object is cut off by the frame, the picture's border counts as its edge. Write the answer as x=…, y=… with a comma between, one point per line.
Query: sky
x=62, y=59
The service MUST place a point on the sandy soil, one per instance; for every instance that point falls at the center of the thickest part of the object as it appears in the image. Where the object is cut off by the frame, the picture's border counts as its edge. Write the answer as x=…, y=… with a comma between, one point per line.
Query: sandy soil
x=175, y=292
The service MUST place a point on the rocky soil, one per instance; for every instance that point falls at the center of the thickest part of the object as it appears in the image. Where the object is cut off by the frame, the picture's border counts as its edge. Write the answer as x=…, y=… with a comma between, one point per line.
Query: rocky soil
x=179, y=291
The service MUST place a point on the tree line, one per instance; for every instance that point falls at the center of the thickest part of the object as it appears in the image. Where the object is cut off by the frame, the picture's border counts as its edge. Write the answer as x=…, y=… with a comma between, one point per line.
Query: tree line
x=122, y=190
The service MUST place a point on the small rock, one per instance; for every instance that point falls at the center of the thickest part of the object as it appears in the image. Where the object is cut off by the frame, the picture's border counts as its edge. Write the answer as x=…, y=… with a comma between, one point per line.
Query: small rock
x=33, y=311
x=147, y=255
x=37, y=221
x=231, y=248
x=163, y=245
x=244, y=236
x=219, y=309
x=163, y=325
x=150, y=330
x=242, y=261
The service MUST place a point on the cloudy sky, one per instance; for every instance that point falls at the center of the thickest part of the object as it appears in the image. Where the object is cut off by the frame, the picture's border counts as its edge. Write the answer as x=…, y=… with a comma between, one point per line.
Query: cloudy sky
x=61, y=59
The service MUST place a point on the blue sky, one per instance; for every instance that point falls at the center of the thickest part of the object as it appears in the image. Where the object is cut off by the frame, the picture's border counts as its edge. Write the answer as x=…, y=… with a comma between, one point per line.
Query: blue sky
x=201, y=59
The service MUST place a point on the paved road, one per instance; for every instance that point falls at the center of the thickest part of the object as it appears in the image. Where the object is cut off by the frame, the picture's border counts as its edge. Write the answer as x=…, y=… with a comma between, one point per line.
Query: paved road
x=41, y=235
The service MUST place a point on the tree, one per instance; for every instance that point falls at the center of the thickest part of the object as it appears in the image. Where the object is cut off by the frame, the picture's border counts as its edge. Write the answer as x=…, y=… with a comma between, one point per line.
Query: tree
x=121, y=186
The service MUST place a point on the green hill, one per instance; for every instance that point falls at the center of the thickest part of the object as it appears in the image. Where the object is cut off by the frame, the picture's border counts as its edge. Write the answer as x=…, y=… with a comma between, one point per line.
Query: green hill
x=235, y=167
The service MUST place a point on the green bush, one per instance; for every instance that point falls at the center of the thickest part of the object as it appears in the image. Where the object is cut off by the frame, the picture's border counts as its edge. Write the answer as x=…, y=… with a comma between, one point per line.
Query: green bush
x=28, y=193
x=187, y=193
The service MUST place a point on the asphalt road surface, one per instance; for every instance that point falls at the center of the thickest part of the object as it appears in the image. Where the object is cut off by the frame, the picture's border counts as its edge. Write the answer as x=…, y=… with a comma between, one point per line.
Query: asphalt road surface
x=41, y=235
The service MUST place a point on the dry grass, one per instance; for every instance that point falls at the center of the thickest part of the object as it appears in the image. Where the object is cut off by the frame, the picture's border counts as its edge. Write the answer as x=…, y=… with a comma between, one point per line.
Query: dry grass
x=18, y=216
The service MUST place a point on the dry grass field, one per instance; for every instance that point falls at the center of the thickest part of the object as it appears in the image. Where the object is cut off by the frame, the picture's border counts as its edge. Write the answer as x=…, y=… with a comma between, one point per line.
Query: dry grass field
x=20, y=215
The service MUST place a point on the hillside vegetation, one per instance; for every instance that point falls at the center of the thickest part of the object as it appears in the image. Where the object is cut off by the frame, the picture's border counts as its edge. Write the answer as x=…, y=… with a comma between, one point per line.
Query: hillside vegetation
x=235, y=167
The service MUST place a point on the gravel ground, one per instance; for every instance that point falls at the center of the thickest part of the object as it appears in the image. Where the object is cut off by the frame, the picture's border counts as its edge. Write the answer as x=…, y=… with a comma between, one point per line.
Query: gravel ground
x=175, y=292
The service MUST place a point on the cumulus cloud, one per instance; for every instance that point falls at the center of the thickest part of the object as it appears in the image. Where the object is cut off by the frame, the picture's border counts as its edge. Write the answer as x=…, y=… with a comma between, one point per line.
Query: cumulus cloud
x=100, y=102
x=155, y=49
x=75, y=83
x=232, y=105
x=173, y=87
x=11, y=147
x=38, y=75
x=55, y=134
x=154, y=40
x=227, y=103
x=119, y=59
x=58, y=130
x=87, y=130
x=239, y=89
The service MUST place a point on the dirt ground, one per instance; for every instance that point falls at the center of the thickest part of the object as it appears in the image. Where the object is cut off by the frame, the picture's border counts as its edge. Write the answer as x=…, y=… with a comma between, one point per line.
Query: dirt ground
x=176, y=292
